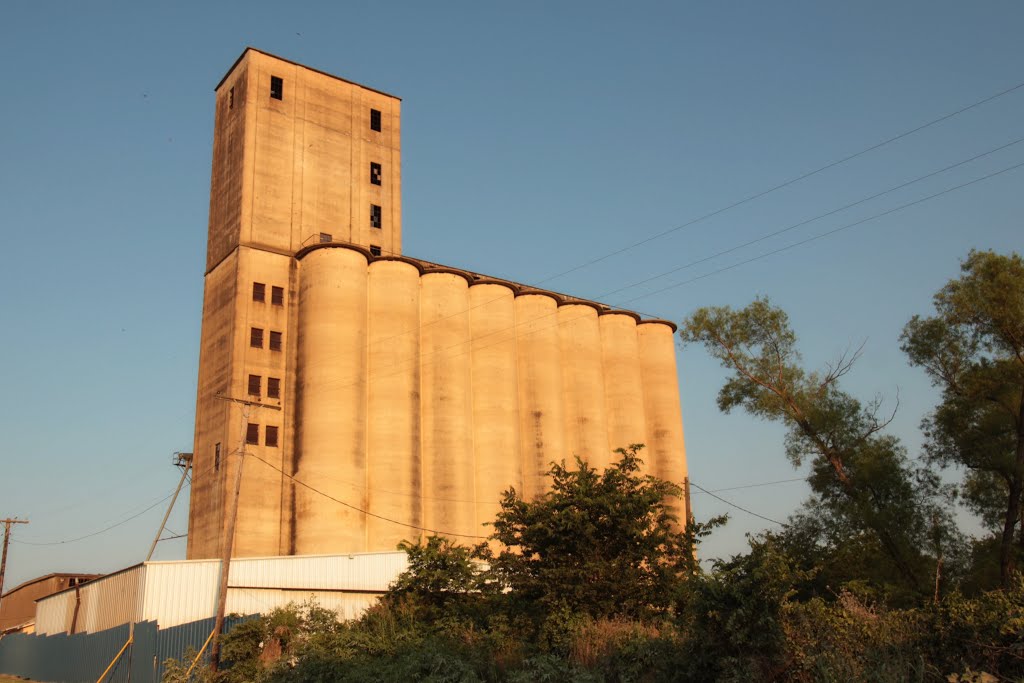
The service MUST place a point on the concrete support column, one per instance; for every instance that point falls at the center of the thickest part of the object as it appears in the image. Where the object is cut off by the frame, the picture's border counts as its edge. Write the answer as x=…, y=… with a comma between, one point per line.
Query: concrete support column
x=666, y=450
x=393, y=426
x=446, y=404
x=541, y=414
x=495, y=396
x=586, y=425
x=624, y=391
x=331, y=448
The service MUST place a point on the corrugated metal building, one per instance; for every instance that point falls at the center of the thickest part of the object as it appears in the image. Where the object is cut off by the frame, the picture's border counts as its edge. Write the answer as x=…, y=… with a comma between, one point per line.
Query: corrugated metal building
x=18, y=605
x=180, y=592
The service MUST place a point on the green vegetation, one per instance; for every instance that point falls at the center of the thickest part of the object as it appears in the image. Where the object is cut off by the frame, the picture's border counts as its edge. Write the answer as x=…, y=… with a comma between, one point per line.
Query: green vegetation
x=596, y=580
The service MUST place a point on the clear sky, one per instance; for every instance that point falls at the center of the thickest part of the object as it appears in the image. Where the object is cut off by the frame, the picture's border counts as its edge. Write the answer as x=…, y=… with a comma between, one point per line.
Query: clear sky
x=537, y=136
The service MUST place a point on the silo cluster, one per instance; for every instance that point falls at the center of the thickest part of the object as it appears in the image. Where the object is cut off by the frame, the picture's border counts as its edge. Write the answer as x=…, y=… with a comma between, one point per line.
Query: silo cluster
x=423, y=392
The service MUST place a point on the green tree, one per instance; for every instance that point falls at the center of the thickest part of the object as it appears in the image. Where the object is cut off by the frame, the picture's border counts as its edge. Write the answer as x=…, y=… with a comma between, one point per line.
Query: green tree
x=860, y=478
x=603, y=544
x=973, y=350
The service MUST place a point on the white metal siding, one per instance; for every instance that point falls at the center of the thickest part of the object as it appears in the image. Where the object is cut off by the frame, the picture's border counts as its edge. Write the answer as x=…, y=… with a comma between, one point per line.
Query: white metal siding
x=364, y=572
x=181, y=592
x=105, y=603
x=173, y=593
x=53, y=613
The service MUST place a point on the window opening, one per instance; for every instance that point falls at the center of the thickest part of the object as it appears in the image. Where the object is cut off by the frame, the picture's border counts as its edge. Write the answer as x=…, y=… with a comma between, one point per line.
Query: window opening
x=277, y=296
x=276, y=88
x=325, y=237
x=275, y=341
x=273, y=387
x=254, y=385
x=252, y=434
x=258, y=291
x=375, y=250
x=375, y=120
x=375, y=173
x=375, y=216
x=216, y=457
x=271, y=437
x=256, y=338
x=231, y=98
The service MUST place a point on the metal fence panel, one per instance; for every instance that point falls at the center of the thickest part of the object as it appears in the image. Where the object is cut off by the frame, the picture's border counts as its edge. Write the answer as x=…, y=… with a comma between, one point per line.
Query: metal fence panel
x=80, y=658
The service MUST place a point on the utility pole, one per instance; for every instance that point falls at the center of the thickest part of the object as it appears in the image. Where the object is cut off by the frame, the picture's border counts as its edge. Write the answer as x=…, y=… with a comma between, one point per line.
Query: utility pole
x=229, y=534
x=184, y=461
x=7, y=539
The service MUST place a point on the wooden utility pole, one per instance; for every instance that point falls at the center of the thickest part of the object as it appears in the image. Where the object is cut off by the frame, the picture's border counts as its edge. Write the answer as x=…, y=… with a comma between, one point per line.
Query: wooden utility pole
x=7, y=539
x=229, y=534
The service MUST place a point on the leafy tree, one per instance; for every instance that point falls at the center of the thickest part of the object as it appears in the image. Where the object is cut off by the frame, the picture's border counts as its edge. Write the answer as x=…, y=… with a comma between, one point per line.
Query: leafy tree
x=973, y=349
x=860, y=478
x=439, y=572
x=603, y=544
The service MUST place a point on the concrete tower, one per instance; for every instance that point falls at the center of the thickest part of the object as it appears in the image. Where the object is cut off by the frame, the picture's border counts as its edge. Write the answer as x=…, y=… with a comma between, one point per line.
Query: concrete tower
x=299, y=157
x=404, y=395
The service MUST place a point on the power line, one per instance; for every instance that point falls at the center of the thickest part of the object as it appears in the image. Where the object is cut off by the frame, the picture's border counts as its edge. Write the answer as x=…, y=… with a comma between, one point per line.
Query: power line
x=787, y=183
x=358, y=509
x=811, y=220
x=101, y=531
x=830, y=232
x=754, y=486
x=749, y=512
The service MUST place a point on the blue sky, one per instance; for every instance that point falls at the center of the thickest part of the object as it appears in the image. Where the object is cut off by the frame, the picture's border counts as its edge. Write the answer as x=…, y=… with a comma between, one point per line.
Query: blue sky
x=536, y=137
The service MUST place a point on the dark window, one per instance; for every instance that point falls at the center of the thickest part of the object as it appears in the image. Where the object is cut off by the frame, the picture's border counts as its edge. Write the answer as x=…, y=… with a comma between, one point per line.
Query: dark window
x=259, y=291
x=375, y=219
x=256, y=338
x=276, y=88
x=374, y=119
x=216, y=457
x=271, y=439
x=273, y=387
x=252, y=434
x=231, y=98
x=325, y=237
x=275, y=341
x=254, y=385
x=375, y=250
x=375, y=173
x=277, y=296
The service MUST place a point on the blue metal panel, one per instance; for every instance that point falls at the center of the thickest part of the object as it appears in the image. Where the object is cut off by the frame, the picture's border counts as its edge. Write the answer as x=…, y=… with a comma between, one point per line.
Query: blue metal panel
x=82, y=657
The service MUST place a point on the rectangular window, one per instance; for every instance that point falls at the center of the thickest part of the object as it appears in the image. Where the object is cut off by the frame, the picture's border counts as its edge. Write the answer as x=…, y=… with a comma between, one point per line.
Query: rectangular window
x=231, y=98
x=273, y=387
x=252, y=434
x=325, y=237
x=277, y=296
x=275, y=341
x=271, y=438
x=375, y=173
x=256, y=338
x=259, y=291
x=375, y=120
x=375, y=250
x=254, y=385
x=276, y=88
x=375, y=216
x=216, y=457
